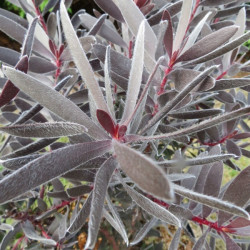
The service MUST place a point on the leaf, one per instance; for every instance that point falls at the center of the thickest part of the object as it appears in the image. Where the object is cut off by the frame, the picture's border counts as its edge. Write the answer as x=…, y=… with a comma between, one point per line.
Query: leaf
x=198, y=127
x=17, y=32
x=52, y=100
x=99, y=192
x=201, y=241
x=212, y=184
x=138, y=168
x=30, y=233
x=109, y=7
x=78, y=190
x=81, y=217
x=175, y=240
x=118, y=220
x=205, y=46
x=48, y=167
x=10, y=235
x=135, y=75
x=236, y=194
x=10, y=90
x=182, y=77
x=106, y=121
x=9, y=56
x=178, y=98
x=152, y=208
x=233, y=148
x=182, y=24
x=195, y=33
x=196, y=114
x=216, y=3
x=45, y=130
x=41, y=65
x=211, y=201
x=221, y=50
x=230, y=244
x=134, y=17
x=81, y=60
x=143, y=231
x=168, y=37
x=105, y=31
x=109, y=96
x=197, y=161
x=16, y=163
x=230, y=84
x=29, y=39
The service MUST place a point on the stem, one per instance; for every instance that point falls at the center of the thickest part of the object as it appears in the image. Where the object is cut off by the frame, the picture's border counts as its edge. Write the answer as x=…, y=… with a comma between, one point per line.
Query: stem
x=19, y=241
x=41, y=19
x=110, y=238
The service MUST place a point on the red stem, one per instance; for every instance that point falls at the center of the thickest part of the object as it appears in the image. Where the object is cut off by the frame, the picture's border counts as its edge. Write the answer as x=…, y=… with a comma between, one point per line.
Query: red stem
x=15, y=247
x=41, y=19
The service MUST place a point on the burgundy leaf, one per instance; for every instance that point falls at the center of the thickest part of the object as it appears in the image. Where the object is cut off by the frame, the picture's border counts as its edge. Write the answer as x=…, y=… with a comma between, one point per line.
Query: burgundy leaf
x=106, y=121
x=122, y=131
x=10, y=90
x=168, y=37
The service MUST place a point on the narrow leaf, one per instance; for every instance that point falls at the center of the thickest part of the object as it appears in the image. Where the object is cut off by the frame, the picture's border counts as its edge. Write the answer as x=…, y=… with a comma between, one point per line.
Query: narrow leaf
x=151, y=207
x=30, y=233
x=99, y=192
x=45, y=130
x=81, y=60
x=82, y=216
x=211, y=201
x=143, y=231
x=182, y=24
x=196, y=114
x=48, y=167
x=135, y=74
x=53, y=101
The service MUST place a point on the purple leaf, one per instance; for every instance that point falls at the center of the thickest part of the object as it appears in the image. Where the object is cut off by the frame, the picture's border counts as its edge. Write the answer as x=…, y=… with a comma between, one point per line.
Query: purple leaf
x=105, y=31
x=99, y=192
x=106, y=121
x=81, y=217
x=196, y=114
x=81, y=60
x=45, y=130
x=211, y=201
x=10, y=90
x=230, y=244
x=48, y=167
x=204, y=46
x=168, y=37
x=138, y=168
x=109, y=7
x=30, y=233
x=212, y=184
x=152, y=207
x=236, y=194
x=233, y=148
x=182, y=77
x=53, y=101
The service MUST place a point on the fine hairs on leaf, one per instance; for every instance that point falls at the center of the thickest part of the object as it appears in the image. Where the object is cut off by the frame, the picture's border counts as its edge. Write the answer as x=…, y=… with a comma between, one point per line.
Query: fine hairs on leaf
x=125, y=123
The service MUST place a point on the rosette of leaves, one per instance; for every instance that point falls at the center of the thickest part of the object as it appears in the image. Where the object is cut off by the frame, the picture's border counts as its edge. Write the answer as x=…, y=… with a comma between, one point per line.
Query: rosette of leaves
x=149, y=121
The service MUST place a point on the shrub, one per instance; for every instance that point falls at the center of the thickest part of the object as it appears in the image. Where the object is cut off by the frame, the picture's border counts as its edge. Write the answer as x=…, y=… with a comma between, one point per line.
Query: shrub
x=147, y=110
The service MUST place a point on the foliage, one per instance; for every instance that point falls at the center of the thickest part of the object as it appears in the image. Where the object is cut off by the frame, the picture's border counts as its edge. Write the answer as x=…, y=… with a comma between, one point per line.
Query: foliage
x=148, y=101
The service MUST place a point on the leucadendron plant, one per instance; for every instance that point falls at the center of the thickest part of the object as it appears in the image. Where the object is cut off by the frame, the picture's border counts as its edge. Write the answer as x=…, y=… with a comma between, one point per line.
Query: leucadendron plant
x=124, y=119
